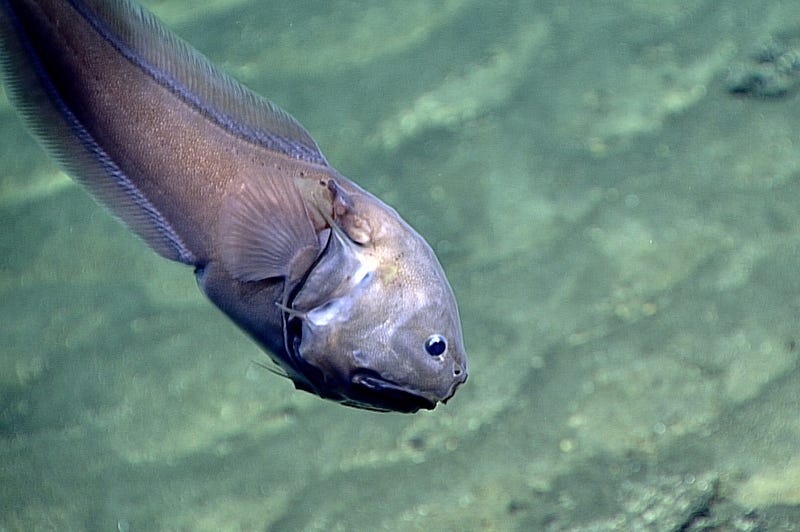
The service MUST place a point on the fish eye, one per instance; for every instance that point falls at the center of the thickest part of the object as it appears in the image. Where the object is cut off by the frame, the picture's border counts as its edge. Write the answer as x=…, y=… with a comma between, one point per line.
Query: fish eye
x=435, y=345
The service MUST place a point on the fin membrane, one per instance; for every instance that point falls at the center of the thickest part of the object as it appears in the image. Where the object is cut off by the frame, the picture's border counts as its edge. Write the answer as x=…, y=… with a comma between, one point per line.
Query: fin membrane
x=265, y=231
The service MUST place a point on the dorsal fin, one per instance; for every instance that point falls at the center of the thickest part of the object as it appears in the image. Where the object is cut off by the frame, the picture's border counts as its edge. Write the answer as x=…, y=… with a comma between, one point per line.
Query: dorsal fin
x=33, y=91
x=141, y=38
x=138, y=36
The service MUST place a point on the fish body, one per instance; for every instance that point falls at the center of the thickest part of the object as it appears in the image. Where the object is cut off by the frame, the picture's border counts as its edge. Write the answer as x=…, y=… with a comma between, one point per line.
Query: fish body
x=346, y=298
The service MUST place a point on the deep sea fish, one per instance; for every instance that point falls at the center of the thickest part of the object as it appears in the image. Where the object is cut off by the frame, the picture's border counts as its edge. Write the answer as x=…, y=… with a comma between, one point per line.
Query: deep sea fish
x=348, y=300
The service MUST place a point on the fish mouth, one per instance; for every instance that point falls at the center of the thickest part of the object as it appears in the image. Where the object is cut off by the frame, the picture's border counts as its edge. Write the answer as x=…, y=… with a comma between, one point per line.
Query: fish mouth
x=373, y=392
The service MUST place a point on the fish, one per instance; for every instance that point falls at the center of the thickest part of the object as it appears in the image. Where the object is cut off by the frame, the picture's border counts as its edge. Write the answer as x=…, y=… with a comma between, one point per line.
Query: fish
x=347, y=300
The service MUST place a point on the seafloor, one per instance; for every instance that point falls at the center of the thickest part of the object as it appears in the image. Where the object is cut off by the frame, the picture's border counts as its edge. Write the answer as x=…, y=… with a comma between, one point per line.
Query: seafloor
x=614, y=190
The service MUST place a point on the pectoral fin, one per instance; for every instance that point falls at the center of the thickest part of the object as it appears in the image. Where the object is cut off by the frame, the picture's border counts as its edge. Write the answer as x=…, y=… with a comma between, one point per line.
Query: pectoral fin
x=265, y=231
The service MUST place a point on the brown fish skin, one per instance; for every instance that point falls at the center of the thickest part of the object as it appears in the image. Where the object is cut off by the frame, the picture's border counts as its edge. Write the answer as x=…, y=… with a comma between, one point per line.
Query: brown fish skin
x=211, y=175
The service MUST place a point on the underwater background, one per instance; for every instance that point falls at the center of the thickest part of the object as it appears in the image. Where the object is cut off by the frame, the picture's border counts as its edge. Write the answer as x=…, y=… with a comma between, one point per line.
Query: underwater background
x=613, y=188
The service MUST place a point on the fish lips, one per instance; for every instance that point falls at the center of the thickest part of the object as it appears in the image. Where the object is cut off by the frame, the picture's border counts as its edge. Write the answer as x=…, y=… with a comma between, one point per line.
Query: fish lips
x=374, y=392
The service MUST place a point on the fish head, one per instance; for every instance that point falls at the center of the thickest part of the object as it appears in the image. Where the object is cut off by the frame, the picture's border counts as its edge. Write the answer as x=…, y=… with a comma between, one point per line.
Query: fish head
x=375, y=324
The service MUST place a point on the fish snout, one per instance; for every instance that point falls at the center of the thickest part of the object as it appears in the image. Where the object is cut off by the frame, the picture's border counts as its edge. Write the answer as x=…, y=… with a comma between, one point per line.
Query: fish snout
x=459, y=377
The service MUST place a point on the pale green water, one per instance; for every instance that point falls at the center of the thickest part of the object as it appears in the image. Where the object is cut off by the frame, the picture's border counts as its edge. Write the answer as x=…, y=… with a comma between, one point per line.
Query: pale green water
x=623, y=236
